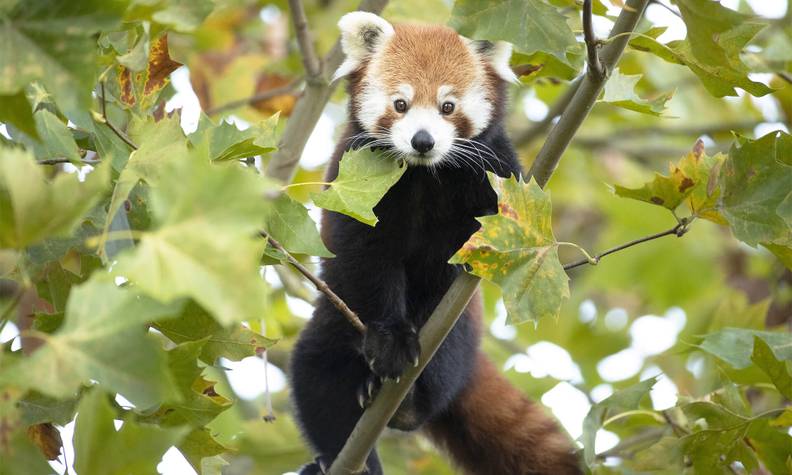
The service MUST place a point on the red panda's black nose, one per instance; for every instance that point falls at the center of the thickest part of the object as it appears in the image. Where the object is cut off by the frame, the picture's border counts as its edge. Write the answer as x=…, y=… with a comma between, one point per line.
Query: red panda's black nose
x=422, y=142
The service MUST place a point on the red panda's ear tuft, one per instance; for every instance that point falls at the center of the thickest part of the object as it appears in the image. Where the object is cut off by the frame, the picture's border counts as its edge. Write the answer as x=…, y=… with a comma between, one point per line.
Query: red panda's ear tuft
x=498, y=55
x=362, y=34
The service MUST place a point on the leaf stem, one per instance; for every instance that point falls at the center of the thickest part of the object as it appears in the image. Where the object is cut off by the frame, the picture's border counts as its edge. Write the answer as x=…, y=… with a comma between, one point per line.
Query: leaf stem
x=636, y=412
x=6, y=316
x=321, y=285
x=590, y=259
x=305, y=183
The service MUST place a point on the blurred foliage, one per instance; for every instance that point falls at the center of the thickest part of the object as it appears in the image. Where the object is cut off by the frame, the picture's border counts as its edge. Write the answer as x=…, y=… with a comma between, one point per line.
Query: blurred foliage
x=131, y=265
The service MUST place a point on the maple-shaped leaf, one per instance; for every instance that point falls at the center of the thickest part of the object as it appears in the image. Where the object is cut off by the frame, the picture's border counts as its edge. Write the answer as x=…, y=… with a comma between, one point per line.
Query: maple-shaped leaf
x=693, y=180
x=364, y=176
x=756, y=183
x=141, y=89
x=226, y=142
x=516, y=250
x=530, y=25
x=716, y=36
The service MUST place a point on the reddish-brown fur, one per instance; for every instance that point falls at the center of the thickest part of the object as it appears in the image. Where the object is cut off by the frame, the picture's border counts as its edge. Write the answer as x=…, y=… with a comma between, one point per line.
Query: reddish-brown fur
x=492, y=429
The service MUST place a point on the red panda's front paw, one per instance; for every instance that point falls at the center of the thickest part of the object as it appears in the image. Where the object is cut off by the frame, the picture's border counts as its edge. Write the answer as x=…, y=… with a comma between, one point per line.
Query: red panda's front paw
x=389, y=349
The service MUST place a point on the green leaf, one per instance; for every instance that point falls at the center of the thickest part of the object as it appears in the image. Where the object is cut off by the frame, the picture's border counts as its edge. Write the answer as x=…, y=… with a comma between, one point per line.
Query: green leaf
x=736, y=345
x=720, y=441
x=757, y=191
x=517, y=251
x=56, y=139
x=620, y=91
x=773, y=446
x=15, y=110
x=101, y=450
x=33, y=209
x=716, y=37
x=226, y=142
x=288, y=223
x=199, y=403
x=665, y=454
x=18, y=454
x=624, y=400
x=202, y=450
x=364, y=176
x=778, y=371
x=183, y=15
x=233, y=343
x=530, y=25
x=52, y=41
x=203, y=245
x=102, y=339
x=37, y=408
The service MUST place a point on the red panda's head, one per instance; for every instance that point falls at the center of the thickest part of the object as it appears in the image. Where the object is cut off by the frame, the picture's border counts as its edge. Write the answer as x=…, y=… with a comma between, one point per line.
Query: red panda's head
x=421, y=90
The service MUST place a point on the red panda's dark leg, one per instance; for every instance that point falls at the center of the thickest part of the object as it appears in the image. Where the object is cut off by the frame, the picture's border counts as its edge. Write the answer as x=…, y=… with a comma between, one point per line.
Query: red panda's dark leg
x=326, y=371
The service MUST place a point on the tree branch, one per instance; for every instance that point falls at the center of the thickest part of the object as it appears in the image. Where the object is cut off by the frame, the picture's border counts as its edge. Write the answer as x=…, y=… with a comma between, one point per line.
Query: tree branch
x=109, y=124
x=58, y=161
x=595, y=66
x=679, y=230
x=585, y=96
x=260, y=97
x=313, y=67
x=364, y=436
x=321, y=285
x=309, y=108
x=530, y=134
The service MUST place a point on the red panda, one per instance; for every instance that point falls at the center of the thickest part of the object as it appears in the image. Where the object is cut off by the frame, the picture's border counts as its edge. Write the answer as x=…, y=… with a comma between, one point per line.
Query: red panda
x=435, y=99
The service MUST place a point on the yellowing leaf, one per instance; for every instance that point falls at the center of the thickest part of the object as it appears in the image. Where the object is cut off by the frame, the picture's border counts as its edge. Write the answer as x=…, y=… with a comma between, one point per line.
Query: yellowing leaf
x=516, y=250
x=364, y=176
x=691, y=180
x=33, y=208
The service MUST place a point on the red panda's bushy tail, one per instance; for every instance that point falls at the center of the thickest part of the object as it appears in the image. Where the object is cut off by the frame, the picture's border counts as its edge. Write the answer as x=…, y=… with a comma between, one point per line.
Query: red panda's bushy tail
x=492, y=429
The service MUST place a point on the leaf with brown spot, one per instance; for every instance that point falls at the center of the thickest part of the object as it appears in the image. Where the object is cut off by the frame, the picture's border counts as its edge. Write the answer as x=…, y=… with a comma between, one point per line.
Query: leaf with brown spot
x=690, y=181
x=143, y=88
x=47, y=438
x=517, y=251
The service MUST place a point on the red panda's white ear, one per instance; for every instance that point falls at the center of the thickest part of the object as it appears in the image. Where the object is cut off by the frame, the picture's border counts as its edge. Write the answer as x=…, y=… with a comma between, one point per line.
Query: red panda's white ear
x=362, y=34
x=498, y=55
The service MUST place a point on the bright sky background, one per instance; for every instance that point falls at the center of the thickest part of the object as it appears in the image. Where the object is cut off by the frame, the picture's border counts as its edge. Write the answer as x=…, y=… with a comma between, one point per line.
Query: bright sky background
x=650, y=334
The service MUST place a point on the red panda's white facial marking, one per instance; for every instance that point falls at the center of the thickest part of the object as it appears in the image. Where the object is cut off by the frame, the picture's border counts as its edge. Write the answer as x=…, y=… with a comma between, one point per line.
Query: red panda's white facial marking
x=420, y=89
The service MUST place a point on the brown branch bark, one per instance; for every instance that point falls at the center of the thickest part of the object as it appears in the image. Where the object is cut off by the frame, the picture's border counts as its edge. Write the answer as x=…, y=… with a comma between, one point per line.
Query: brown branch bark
x=313, y=67
x=256, y=98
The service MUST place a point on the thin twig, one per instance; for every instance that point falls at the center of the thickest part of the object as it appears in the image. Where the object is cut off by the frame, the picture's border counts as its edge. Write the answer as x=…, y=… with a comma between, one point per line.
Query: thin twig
x=595, y=66
x=256, y=98
x=783, y=74
x=642, y=439
x=321, y=285
x=679, y=230
x=58, y=161
x=313, y=67
x=109, y=124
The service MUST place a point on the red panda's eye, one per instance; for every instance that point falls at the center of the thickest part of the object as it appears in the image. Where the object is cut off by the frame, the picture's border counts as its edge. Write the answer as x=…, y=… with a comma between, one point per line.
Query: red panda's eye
x=400, y=105
x=447, y=108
